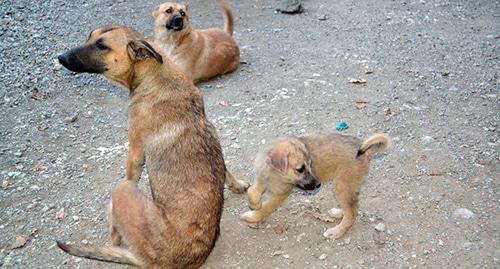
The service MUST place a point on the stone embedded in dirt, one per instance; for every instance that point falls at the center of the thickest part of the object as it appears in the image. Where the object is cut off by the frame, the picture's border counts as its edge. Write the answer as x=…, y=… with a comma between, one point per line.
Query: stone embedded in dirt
x=463, y=213
x=70, y=119
x=380, y=227
x=290, y=7
x=322, y=256
x=323, y=18
x=277, y=253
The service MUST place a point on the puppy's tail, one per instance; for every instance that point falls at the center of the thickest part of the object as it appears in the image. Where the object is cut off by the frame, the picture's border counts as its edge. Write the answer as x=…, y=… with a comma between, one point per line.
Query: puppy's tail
x=106, y=254
x=375, y=143
x=229, y=17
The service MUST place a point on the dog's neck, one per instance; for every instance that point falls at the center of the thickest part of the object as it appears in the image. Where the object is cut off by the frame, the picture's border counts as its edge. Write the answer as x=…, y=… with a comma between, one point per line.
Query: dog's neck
x=170, y=40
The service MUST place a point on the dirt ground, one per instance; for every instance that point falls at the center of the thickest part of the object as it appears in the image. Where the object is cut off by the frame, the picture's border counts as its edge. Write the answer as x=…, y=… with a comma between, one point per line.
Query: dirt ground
x=432, y=72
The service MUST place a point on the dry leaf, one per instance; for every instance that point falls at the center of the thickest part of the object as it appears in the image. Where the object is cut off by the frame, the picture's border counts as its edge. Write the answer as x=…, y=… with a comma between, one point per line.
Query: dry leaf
x=60, y=214
x=38, y=95
x=280, y=229
x=389, y=112
x=20, y=242
x=360, y=104
x=42, y=126
x=379, y=238
x=357, y=80
x=435, y=173
x=322, y=217
x=254, y=225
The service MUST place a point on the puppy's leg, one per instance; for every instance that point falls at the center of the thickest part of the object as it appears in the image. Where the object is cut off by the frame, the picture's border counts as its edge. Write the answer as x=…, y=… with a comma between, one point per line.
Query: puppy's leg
x=135, y=159
x=347, y=195
x=266, y=209
x=255, y=193
x=235, y=185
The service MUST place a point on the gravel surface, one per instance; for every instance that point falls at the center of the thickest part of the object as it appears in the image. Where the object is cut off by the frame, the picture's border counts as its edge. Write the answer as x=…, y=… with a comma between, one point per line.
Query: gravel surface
x=424, y=72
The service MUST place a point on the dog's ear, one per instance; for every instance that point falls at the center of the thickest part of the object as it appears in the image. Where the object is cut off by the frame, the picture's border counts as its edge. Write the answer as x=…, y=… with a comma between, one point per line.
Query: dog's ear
x=155, y=11
x=140, y=50
x=186, y=6
x=278, y=160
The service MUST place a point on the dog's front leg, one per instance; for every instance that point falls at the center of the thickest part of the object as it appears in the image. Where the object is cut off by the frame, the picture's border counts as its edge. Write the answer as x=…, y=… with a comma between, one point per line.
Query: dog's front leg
x=266, y=209
x=135, y=158
x=255, y=193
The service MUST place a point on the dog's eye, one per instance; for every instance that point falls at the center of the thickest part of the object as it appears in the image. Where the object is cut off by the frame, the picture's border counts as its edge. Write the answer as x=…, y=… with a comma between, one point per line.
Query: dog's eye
x=168, y=10
x=101, y=46
x=182, y=13
x=301, y=169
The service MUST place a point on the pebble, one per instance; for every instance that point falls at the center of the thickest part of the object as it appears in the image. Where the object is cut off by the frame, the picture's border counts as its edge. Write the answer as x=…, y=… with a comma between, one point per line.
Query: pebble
x=70, y=119
x=286, y=256
x=380, y=227
x=463, y=213
x=5, y=184
x=322, y=256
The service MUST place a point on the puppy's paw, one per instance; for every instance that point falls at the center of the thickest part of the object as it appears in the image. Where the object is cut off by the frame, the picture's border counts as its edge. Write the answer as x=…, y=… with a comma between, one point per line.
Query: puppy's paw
x=238, y=186
x=334, y=233
x=255, y=206
x=251, y=216
x=336, y=213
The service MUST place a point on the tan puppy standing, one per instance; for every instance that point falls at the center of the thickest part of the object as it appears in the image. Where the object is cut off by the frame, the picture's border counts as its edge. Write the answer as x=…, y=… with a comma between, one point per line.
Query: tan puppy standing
x=305, y=162
x=200, y=53
x=168, y=131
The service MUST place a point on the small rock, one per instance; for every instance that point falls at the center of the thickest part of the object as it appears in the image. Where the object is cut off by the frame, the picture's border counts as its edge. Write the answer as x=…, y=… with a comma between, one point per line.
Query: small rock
x=380, y=227
x=322, y=257
x=5, y=184
x=70, y=119
x=290, y=7
x=286, y=256
x=463, y=213
x=323, y=18
x=35, y=188
x=468, y=245
x=75, y=218
x=277, y=253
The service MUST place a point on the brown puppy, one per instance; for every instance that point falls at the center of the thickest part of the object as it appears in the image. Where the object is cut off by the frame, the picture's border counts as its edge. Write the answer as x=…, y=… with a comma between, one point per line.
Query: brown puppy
x=168, y=131
x=304, y=162
x=200, y=53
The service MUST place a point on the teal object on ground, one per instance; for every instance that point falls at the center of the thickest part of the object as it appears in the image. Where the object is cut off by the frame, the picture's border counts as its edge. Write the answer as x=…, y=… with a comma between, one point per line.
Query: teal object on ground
x=341, y=126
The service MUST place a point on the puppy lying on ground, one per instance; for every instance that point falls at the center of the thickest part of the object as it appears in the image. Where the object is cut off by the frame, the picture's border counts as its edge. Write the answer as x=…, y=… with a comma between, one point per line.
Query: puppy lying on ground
x=305, y=162
x=200, y=53
x=168, y=131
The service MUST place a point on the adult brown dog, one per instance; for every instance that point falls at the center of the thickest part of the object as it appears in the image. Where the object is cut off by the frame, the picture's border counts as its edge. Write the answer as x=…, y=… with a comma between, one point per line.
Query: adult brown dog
x=200, y=53
x=168, y=131
x=305, y=162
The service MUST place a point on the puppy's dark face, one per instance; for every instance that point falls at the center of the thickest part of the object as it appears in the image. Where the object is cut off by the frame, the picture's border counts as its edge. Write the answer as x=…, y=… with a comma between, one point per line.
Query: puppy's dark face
x=111, y=52
x=171, y=17
x=292, y=162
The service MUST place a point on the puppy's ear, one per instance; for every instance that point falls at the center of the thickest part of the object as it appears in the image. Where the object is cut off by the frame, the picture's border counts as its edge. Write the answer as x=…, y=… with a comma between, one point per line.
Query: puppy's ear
x=186, y=6
x=141, y=50
x=278, y=160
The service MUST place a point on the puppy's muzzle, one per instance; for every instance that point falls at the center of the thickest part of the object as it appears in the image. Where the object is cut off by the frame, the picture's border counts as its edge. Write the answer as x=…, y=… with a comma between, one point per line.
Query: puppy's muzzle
x=309, y=186
x=176, y=23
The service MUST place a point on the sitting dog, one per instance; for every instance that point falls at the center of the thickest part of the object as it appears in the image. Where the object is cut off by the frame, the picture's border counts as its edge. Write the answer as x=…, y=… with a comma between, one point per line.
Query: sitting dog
x=168, y=131
x=305, y=162
x=200, y=53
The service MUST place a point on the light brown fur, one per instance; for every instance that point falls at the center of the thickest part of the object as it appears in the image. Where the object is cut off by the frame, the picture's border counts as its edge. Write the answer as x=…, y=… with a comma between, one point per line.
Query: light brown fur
x=200, y=53
x=343, y=159
x=168, y=131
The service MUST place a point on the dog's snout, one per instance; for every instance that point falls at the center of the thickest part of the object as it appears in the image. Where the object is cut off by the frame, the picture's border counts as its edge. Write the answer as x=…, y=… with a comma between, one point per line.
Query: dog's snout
x=63, y=58
x=178, y=20
x=318, y=184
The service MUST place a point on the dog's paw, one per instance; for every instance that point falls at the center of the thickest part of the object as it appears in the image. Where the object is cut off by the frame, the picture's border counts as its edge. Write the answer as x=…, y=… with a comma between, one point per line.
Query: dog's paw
x=251, y=216
x=239, y=186
x=334, y=233
x=336, y=213
x=255, y=206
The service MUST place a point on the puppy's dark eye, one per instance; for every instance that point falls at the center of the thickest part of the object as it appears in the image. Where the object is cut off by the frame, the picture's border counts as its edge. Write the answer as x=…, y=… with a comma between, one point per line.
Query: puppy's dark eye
x=168, y=10
x=182, y=13
x=301, y=169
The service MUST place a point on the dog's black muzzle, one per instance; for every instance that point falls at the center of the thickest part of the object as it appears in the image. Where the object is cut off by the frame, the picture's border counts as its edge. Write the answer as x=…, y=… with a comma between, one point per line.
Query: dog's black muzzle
x=79, y=60
x=310, y=185
x=176, y=23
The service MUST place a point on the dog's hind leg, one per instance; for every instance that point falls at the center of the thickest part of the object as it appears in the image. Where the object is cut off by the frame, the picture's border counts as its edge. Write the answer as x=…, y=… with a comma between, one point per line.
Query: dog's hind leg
x=347, y=195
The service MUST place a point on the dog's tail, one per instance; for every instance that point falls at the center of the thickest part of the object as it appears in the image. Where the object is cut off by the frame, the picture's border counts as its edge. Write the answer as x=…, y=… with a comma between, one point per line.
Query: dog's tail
x=375, y=143
x=106, y=254
x=229, y=17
